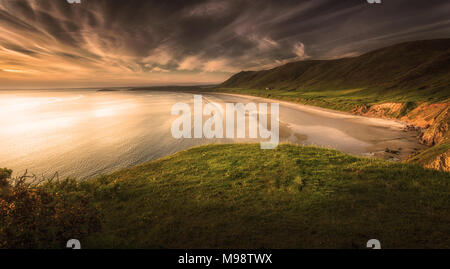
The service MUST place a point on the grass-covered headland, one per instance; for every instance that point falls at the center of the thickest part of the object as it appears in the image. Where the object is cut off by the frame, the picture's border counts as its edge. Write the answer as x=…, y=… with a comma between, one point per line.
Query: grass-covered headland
x=408, y=81
x=239, y=196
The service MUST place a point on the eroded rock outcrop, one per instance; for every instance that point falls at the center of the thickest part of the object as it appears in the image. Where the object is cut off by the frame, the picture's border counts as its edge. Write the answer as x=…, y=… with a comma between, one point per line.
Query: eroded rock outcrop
x=385, y=110
x=432, y=120
x=440, y=162
x=438, y=127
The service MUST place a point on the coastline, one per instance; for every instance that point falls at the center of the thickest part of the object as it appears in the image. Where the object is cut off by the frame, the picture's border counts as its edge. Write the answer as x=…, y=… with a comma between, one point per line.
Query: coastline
x=430, y=122
x=388, y=151
x=394, y=123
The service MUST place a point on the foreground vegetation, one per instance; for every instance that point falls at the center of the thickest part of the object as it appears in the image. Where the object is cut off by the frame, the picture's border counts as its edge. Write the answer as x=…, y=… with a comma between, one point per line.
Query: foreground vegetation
x=239, y=196
x=34, y=216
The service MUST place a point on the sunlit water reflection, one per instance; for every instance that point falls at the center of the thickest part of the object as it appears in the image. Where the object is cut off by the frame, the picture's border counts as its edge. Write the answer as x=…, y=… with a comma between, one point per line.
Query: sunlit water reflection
x=83, y=133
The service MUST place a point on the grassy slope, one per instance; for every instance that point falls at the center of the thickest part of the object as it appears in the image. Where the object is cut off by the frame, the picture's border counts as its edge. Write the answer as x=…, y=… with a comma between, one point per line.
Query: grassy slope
x=409, y=72
x=428, y=155
x=238, y=196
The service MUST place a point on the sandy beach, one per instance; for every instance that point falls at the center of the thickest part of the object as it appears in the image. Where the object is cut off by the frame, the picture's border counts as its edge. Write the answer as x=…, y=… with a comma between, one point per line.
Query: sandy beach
x=364, y=136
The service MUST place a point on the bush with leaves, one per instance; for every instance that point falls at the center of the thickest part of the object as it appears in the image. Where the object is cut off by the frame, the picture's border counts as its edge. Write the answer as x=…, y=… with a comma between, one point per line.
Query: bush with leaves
x=5, y=174
x=42, y=215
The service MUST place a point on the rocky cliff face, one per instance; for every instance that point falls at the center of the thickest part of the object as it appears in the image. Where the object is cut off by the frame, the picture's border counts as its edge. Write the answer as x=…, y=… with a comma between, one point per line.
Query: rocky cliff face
x=385, y=110
x=440, y=162
x=432, y=119
x=437, y=127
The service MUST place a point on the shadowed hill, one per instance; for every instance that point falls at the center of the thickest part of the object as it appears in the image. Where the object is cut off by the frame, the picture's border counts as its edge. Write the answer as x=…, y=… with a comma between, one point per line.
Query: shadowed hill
x=408, y=81
x=420, y=69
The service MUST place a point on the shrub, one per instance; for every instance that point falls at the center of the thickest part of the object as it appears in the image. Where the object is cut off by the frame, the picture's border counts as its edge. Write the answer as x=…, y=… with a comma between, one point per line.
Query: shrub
x=33, y=216
x=5, y=175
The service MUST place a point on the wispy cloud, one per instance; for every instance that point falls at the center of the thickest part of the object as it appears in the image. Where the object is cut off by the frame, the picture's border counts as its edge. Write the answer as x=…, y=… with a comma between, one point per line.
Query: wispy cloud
x=109, y=42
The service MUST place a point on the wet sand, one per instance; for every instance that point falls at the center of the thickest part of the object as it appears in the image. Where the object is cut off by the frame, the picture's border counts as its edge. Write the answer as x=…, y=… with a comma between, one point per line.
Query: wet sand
x=359, y=135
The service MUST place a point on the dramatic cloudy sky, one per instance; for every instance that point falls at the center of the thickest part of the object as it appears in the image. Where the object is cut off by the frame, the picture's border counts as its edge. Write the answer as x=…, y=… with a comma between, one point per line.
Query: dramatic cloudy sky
x=51, y=43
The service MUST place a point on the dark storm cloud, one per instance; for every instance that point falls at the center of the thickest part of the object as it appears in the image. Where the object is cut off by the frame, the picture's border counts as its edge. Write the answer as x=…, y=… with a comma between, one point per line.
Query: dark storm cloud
x=148, y=37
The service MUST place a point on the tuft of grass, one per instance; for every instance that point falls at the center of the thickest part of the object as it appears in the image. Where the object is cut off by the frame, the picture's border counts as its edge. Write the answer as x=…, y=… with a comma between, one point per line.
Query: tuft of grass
x=239, y=196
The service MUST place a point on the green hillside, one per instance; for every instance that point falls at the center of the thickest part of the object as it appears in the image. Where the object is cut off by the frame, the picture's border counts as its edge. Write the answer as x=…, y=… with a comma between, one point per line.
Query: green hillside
x=414, y=74
x=413, y=71
x=239, y=196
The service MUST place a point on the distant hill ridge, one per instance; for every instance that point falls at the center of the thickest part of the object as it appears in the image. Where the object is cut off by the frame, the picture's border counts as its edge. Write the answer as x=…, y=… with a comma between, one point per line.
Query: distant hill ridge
x=419, y=65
